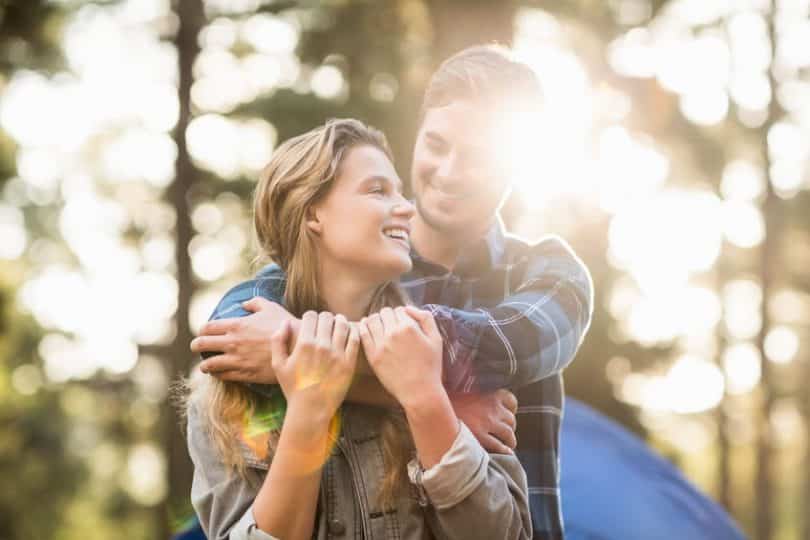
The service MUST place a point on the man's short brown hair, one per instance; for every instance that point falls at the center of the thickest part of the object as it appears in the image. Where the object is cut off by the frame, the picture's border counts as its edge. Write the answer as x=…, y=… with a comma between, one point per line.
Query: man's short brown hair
x=483, y=72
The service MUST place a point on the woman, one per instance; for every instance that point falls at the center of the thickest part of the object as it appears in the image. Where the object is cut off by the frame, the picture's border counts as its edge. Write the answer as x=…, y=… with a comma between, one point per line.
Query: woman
x=329, y=211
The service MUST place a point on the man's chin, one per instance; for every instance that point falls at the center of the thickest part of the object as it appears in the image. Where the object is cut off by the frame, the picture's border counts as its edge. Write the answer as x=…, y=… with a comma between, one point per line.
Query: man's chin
x=438, y=220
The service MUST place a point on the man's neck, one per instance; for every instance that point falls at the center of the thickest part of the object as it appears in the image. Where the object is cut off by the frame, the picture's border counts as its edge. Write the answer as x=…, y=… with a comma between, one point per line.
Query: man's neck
x=437, y=246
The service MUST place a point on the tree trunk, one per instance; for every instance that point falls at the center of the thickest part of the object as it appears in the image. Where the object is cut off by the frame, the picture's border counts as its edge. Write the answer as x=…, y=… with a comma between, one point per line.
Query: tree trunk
x=769, y=263
x=460, y=23
x=191, y=16
x=724, y=450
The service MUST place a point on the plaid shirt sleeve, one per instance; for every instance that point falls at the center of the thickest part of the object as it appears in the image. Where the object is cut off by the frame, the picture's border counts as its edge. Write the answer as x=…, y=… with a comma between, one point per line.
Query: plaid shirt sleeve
x=532, y=333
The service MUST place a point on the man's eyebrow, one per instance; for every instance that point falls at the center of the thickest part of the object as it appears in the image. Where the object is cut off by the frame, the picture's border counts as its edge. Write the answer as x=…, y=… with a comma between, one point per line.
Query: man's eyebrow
x=475, y=146
x=380, y=178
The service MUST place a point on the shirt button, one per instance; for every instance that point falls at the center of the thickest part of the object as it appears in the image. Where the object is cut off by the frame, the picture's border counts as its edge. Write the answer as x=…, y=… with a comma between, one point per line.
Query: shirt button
x=337, y=527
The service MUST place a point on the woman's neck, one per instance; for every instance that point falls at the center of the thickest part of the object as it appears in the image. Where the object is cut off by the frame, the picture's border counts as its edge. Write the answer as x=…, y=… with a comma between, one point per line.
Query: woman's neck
x=344, y=292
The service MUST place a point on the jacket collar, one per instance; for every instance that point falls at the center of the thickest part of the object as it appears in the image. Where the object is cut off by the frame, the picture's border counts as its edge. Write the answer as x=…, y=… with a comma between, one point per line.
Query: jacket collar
x=481, y=257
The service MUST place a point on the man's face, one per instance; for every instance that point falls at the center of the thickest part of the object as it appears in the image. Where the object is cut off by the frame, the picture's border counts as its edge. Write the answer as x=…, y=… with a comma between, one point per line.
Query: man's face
x=457, y=180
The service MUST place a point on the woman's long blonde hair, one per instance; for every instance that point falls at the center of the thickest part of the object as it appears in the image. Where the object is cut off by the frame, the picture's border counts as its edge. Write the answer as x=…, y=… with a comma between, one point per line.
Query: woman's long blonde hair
x=299, y=175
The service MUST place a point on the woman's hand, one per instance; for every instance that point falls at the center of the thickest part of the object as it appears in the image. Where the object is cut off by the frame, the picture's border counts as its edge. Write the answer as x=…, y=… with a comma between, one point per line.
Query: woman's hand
x=317, y=374
x=404, y=349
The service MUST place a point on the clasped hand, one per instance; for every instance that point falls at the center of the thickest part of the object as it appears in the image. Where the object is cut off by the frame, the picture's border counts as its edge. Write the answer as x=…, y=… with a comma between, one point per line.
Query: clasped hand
x=240, y=350
x=316, y=375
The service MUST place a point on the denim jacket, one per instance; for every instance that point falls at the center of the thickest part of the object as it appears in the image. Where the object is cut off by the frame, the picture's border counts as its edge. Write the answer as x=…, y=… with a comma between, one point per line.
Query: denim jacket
x=468, y=495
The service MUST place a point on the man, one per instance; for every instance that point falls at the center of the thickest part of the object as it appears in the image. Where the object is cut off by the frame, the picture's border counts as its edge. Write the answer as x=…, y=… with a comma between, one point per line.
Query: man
x=513, y=314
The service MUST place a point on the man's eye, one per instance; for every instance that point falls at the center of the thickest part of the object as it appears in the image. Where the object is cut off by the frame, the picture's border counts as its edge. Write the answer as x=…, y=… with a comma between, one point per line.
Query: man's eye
x=376, y=189
x=436, y=146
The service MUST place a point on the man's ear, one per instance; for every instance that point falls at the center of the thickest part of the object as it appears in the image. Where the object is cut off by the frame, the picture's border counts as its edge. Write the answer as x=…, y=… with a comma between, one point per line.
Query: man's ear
x=314, y=224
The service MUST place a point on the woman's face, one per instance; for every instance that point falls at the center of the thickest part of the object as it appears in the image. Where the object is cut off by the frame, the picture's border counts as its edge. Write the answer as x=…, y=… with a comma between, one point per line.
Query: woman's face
x=363, y=223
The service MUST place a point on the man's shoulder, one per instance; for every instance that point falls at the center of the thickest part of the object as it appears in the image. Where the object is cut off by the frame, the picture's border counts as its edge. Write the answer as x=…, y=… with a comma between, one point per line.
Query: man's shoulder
x=269, y=283
x=548, y=256
x=549, y=246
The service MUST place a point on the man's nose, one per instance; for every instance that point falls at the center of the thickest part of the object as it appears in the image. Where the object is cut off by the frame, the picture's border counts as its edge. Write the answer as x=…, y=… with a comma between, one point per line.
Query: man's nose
x=450, y=170
x=446, y=167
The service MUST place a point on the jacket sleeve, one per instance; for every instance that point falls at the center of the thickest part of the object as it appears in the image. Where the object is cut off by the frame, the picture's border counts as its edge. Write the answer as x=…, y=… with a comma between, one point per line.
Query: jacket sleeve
x=222, y=499
x=471, y=494
x=532, y=333
x=269, y=283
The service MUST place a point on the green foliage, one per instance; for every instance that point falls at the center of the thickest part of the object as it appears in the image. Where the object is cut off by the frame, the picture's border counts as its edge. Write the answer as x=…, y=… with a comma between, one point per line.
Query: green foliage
x=41, y=474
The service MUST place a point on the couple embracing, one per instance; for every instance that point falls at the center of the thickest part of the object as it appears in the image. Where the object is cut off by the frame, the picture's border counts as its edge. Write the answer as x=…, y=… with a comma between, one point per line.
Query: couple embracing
x=396, y=373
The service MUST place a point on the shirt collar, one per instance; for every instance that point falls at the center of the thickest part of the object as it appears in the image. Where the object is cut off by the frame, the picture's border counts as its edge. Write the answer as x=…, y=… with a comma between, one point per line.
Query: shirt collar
x=480, y=257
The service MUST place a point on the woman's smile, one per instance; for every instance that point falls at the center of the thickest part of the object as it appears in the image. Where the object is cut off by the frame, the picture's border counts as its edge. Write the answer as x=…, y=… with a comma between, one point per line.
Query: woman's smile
x=399, y=234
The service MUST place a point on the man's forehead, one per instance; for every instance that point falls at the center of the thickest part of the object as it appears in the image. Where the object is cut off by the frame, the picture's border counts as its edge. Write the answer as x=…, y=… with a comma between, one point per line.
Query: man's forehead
x=463, y=122
x=472, y=111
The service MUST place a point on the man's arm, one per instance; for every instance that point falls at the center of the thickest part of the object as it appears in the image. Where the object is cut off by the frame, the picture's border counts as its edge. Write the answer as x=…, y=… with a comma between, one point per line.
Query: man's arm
x=533, y=333
x=235, y=342
x=529, y=335
x=236, y=346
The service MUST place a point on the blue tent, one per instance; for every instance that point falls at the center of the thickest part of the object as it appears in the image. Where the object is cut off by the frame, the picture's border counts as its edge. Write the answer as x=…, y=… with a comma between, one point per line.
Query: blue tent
x=190, y=531
x=615, y=487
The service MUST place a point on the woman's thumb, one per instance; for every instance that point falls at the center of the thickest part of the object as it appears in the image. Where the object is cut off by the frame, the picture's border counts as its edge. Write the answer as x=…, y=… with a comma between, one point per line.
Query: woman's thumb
x=424, y=318
x=278, y=343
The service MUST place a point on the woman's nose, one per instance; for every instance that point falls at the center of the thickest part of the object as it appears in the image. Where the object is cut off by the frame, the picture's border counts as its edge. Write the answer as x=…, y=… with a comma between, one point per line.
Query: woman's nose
x=404, y=208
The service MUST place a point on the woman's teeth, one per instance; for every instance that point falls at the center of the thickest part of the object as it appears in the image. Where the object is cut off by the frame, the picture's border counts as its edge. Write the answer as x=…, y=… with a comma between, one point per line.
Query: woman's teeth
x=397, y=234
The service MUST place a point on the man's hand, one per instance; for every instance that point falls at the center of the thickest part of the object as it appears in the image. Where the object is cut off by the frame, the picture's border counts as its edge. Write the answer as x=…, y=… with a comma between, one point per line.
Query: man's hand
x=243, y=343
x=490, y=417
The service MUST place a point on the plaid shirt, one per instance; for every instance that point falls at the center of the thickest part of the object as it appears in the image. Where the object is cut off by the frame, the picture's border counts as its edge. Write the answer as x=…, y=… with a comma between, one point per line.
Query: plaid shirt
x=512, y=315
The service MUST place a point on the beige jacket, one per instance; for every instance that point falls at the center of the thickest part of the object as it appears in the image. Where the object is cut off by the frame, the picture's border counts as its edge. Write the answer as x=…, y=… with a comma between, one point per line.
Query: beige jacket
x=468, y=495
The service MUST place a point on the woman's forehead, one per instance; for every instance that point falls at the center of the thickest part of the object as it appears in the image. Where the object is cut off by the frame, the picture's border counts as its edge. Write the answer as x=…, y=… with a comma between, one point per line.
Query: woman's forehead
x=366, y=161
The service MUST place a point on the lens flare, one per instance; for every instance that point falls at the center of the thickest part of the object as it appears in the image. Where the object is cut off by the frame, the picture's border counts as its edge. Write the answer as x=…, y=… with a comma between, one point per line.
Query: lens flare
x=261, y=429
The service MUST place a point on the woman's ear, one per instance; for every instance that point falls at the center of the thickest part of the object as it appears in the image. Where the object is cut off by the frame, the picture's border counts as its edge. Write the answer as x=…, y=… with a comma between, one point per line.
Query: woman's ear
x=313, y=223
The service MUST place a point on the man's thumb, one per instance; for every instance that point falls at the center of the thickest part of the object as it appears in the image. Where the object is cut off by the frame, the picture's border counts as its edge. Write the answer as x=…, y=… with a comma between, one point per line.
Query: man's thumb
x=254, y=304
